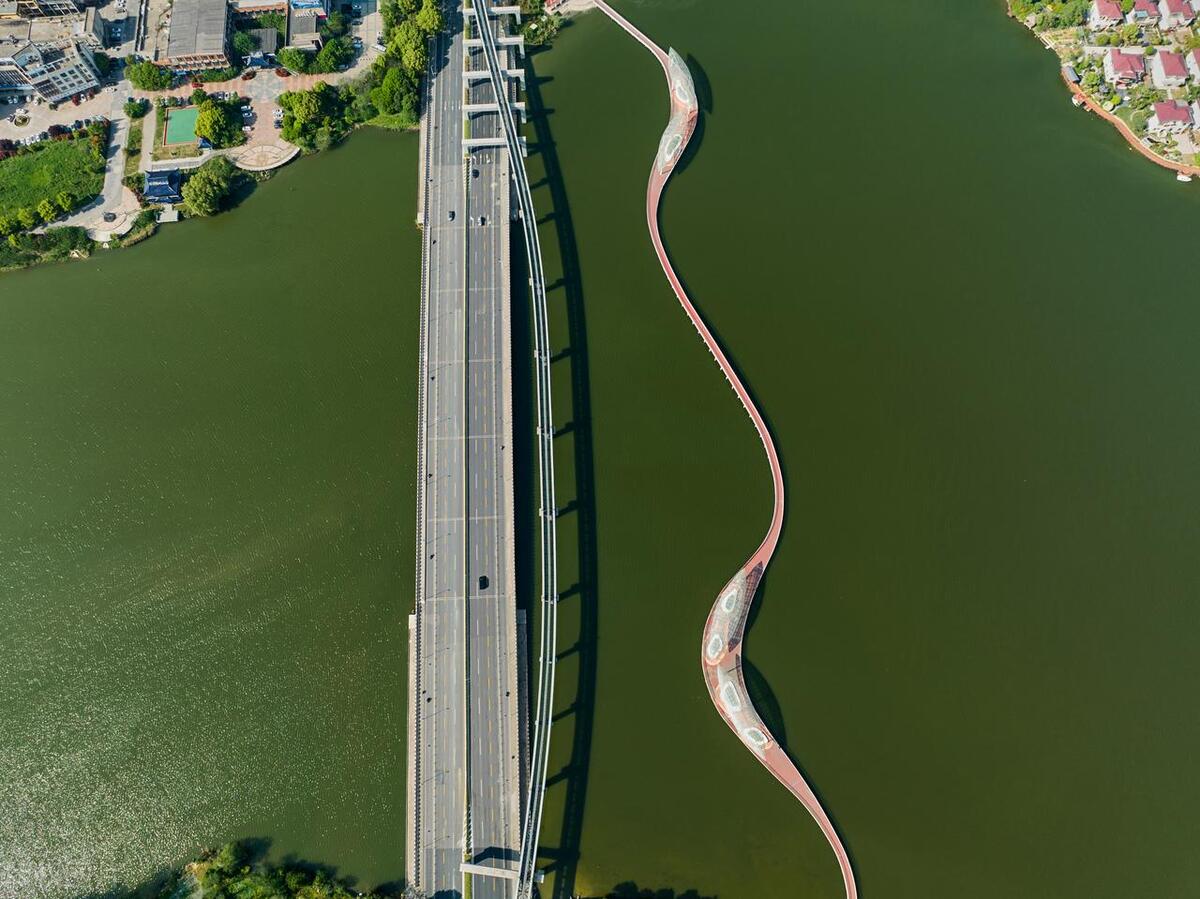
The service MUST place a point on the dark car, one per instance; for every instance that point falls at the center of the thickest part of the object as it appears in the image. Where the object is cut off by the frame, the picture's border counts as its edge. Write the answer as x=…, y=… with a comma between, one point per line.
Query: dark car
x=249, y=74
x=110, y=216
x=451, y=215
x=282, y=72
x=483, y=582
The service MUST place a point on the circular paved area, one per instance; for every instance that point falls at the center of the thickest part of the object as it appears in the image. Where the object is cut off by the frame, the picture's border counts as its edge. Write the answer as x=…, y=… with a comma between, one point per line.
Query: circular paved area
x=260, y=157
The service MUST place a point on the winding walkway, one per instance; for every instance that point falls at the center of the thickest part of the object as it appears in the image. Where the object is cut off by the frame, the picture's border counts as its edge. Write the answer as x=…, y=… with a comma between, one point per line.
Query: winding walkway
x=721, y=649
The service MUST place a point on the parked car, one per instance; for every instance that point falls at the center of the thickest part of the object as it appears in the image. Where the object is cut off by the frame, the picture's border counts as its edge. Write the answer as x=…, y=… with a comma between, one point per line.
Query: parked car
x=110, y=216
x=282, y=72
x=248, y=75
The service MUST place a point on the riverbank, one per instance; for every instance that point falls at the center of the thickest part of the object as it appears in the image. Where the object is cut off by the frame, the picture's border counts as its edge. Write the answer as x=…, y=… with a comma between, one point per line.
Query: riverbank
x=1138, y=71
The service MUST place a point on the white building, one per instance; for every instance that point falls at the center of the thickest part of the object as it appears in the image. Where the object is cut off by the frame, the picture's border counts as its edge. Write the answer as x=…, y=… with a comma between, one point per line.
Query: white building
x=1176, y=13
x=1105, y=14
x=1167, y=70
x=1193, y=64
x=1171, y=117
x=1123, y=69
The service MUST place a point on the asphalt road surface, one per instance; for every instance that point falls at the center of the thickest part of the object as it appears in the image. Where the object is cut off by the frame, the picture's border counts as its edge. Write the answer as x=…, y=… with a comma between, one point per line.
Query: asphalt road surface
x=468, y=785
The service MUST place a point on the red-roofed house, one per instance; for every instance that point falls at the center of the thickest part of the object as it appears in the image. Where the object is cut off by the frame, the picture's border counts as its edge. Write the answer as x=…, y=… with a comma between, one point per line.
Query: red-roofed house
x=1123, y=69
x=1167, y=70
x=1176, y=13
x=1144, y=12
x=1105, y=14
x=1171, y=117
x=1193, y=63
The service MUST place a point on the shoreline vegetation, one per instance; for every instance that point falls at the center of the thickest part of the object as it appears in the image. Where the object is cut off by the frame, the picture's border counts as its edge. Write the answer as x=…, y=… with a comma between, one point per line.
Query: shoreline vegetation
x=241, y=870
x=387, y=95
x=1130, y=103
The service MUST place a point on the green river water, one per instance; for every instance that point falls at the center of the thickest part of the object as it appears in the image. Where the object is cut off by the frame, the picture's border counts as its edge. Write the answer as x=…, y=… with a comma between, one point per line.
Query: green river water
x=965, y=308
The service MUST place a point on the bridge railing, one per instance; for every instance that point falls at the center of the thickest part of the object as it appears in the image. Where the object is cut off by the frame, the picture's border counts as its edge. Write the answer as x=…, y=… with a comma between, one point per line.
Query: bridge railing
x=548, y=510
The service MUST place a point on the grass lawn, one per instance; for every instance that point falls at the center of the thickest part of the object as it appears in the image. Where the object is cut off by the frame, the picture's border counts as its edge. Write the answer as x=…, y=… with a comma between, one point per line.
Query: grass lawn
x=133, y=146
x=54, y=166
x=393, y=122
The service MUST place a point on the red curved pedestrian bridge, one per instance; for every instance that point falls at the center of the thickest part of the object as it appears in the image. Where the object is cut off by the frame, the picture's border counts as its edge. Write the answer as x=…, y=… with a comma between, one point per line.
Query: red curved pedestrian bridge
x=721, y=650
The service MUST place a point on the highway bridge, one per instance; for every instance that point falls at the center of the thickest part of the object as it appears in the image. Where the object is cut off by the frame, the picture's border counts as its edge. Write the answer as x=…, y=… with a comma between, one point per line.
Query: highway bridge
x=474, y=782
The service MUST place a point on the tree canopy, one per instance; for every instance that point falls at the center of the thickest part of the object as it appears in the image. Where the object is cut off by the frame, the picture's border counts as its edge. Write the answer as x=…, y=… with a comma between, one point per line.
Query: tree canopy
x=220, y=123
x=295, y=59
x=147, y=76
x=209, y=185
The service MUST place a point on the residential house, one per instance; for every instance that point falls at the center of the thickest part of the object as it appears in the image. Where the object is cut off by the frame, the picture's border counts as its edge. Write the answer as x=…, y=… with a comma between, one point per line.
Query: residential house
x=1167, y=70
x=1105, y=14
x=1123, y=69
x=198, y=36
x=1170, y=117
x=163, y=187
x=1193, y=64
x=1144, y=12
x=1176, y=13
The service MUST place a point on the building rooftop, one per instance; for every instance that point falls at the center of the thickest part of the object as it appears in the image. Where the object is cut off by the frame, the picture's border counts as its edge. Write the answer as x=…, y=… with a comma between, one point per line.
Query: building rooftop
x=1146, y=6
x=1172, y=111
x=1179, y=8
x=1109, y=9
x=1127, y=63
x=197, y=28
x=1172, y=64
x=268, y=39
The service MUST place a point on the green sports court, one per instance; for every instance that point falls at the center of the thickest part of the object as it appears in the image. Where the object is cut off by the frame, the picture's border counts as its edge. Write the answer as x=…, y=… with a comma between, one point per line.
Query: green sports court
x=181, y=126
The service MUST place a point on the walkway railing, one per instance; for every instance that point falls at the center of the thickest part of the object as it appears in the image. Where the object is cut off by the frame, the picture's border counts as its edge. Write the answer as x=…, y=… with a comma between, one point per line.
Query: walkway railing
x=548, y=511
x=721, y=645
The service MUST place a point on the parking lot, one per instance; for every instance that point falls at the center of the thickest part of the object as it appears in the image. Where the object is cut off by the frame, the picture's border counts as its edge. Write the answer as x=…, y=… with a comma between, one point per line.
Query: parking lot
x=41, y=117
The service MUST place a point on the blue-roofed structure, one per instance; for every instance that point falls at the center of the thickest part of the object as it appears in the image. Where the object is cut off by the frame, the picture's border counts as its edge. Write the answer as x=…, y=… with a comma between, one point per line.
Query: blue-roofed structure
x=163, y=186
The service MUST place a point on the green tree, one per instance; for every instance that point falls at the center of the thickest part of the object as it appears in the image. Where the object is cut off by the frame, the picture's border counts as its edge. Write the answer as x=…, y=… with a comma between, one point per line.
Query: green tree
x=7, y=225
x=335, y=25
x=147, y=76
x=335, y=53
x=396, y=93
x=275, y=20
x=209, y=185
x=135, y=108
x=244, y=43
x=47, y=210
x=26, y=217
x=429, y=19
x=408, y=46
x=294, y=59
x=219, y=123
x=103, y=62
x=199, y=95
x=64, y=200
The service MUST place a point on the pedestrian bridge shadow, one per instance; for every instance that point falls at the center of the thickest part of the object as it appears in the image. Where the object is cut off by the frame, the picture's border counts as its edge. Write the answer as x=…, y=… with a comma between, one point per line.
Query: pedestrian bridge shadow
x=578, y=598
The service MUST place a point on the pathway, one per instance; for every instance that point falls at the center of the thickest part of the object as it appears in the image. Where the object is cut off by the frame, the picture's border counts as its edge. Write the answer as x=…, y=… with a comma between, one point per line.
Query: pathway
x=721, y=648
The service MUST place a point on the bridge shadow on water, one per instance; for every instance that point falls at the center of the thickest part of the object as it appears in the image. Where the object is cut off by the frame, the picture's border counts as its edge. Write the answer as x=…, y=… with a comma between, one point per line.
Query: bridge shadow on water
x=575, y=700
